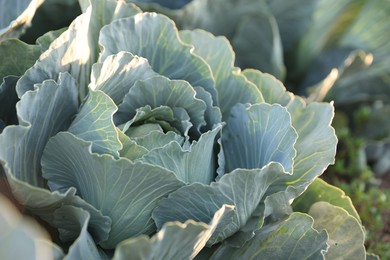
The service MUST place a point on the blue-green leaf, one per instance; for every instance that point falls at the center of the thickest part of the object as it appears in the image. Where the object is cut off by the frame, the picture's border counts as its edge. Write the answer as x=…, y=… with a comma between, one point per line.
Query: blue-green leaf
x=75, y=221
x=271, y=88
x=77, y=48
x=195, y=164
x=127, y=192
x=17, y=57
x=249, y=25
x=293, y=238
x=23, y=238
x=94, y=122
x=160, y=91
x=43, y=203
x=316, y=142
x=156, y=38
x=242, y=188
x=118, y=73
x=175, y=240
x=131, y=150
x=232, y=87
x=169, y=119
x=346, y=234
x=257, y=135
x=213, y=115
x=319, y=190
x=42, y=113
x=157, y=138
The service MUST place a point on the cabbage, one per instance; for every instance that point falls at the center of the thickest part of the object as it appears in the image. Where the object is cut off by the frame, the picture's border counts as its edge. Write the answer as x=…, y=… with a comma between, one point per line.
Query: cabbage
x=138, y=140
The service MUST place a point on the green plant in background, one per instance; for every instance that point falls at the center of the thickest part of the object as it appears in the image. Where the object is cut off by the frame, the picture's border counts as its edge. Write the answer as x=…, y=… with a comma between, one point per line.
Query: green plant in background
x=351, y=174
x=133, y=138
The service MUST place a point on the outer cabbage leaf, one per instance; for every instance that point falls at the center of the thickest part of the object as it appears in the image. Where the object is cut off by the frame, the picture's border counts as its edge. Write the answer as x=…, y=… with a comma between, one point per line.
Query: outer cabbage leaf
x=156, y=38
x=258, y=48
x=23, y=238
x=293, y=238
x=118, y=73
x=322, y=74
x=315, y=146
x=45, y=40
x=232, y=87
x=42, y=113
x=15, y=16
x=77, y=48
x=257, y=135
x=175, y=240
x=316, y=143
x=21, y=56
x=319, y=190
x=72, y=220
x=127, y=192
x=273, y=90
x=363, y=78
x=241, y=188
x=346, y=234
x=18, y=55
x=44, y=203
x=378, y=147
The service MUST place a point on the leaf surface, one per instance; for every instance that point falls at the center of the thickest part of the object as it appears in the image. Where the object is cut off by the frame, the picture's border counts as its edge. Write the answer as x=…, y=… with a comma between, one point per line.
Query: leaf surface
x=346, y=235
x=77, y=48
x=17, y=230
x=293, y=238
x=127, y=192
x=94, y=122
x=257, y=135
x=244, y=189
x=156, y=38
x=174, y=241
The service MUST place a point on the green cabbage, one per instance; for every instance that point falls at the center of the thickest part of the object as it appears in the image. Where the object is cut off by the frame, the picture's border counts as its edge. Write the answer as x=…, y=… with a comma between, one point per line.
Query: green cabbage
x=128, y=128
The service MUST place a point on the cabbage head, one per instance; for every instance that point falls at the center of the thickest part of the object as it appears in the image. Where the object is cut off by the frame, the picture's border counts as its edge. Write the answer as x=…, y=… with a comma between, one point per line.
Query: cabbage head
x=136, y=140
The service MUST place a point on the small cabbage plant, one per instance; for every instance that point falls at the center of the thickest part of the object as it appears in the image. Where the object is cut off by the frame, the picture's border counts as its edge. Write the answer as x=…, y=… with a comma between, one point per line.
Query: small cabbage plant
x=135, y=140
